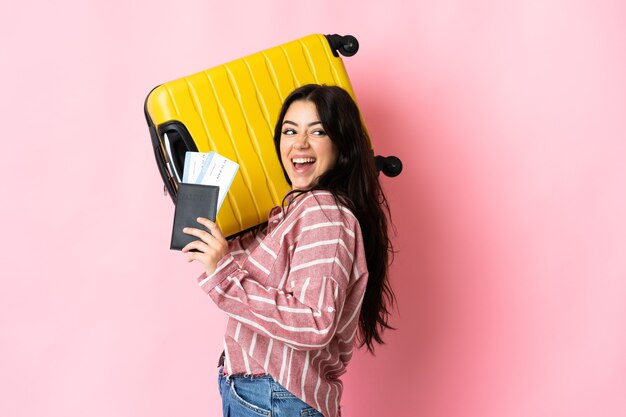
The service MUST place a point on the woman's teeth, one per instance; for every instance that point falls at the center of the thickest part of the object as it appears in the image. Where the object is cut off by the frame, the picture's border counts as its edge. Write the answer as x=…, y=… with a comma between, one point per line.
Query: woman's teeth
x=303, y=160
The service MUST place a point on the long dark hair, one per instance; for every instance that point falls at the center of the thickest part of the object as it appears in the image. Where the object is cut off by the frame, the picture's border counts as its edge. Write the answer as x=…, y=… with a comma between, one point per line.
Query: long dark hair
x=353, y=181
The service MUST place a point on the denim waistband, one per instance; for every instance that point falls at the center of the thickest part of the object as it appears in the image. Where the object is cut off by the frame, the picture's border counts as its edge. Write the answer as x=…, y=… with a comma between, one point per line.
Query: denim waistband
x=274, y=386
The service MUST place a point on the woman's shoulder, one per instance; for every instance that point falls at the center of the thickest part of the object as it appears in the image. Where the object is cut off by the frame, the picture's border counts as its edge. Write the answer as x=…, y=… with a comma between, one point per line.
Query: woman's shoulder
x=318, y=197
x=322, y=202
x=317, y=212
x=314, y=198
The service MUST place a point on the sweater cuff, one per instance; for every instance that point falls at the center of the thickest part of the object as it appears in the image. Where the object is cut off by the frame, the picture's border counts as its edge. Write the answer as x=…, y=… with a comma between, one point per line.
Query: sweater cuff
x=224, y=268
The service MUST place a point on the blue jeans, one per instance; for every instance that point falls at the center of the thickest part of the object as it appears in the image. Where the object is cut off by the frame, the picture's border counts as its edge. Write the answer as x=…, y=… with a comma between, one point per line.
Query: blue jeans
x=254, y=396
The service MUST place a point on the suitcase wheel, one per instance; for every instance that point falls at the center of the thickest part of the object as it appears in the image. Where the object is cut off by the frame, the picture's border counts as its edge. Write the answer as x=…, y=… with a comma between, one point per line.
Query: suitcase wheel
x=391, y=166
x=345, y=45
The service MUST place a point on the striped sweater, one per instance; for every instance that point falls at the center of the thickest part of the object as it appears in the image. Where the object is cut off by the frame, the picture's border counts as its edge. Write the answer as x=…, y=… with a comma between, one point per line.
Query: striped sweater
x=293, y=295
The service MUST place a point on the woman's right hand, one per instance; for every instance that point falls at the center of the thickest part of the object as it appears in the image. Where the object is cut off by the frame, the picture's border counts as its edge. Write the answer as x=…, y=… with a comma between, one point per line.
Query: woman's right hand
x=211, y=247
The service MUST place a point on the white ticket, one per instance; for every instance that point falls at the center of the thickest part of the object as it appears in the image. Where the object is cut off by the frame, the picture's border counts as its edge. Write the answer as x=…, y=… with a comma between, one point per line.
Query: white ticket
x=194, y=162
x=210, y=169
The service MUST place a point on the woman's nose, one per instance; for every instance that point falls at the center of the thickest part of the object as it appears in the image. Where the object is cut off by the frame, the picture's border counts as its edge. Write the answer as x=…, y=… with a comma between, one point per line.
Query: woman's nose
x=302, y=141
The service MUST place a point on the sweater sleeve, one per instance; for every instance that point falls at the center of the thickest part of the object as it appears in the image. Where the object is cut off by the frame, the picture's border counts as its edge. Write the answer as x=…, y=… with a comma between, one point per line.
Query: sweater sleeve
x=315, y=262
x=241, y=246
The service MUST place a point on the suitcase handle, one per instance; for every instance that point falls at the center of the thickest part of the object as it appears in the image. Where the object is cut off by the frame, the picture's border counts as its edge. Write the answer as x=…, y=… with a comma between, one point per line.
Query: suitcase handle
x=180, y=142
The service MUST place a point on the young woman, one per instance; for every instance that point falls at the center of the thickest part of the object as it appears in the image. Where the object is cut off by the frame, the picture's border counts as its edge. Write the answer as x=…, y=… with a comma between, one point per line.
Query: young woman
x=301, y=290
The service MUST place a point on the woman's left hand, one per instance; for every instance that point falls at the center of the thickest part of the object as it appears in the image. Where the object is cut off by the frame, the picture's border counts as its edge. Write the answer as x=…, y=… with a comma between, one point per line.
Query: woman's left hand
x=210, y=248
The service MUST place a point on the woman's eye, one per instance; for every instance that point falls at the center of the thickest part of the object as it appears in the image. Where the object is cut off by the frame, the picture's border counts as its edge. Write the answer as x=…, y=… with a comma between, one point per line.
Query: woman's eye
x=318, y=133
x=289, y=132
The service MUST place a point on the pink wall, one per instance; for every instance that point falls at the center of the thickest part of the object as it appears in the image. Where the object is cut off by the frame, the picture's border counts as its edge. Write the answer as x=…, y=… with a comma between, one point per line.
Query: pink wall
x=511, y=270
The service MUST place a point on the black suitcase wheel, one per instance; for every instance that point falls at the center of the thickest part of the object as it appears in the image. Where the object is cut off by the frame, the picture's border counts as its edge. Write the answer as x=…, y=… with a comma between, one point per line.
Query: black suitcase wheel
x=391, y=166
x=350, y=46
x=345, y=45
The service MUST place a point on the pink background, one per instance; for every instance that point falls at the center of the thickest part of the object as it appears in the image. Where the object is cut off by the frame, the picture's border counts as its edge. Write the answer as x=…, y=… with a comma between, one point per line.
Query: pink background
x=510, y=118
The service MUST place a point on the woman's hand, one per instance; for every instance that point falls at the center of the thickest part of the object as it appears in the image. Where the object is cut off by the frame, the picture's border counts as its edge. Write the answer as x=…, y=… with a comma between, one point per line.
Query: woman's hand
x=210, y=248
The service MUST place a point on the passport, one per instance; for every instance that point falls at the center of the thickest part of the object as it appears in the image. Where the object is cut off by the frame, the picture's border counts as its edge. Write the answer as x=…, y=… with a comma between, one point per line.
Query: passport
x=192, y=201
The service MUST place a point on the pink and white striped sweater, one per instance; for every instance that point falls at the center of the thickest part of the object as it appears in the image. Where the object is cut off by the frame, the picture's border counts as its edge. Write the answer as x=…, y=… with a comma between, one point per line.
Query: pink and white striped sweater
x=293, y=295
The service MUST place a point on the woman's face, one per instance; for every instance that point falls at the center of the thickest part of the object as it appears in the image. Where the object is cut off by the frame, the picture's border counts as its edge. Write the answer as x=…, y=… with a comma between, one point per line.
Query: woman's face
x=306, y=151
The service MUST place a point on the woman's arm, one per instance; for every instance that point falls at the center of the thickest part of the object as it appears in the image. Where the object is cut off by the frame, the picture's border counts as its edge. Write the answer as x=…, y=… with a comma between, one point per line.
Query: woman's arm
x=211, y=247
x=241, y=246
x=319, y=262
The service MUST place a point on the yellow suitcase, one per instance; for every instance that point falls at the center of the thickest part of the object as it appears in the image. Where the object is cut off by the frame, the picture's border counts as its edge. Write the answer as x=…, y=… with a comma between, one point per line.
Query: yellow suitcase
x=232, y=109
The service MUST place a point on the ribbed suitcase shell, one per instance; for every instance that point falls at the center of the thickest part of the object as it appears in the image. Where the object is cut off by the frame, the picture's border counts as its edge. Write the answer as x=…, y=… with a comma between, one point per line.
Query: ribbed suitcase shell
x=232, y=109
